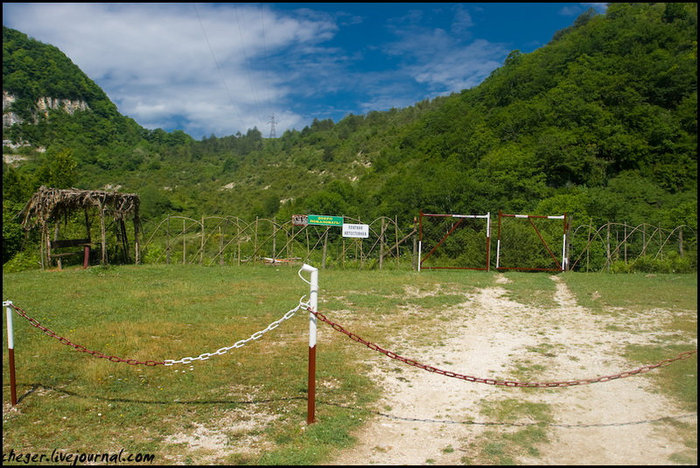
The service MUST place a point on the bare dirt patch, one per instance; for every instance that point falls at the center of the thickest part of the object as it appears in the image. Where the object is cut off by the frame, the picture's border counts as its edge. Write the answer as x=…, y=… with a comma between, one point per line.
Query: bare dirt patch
x=424, y=414
x=235, y=431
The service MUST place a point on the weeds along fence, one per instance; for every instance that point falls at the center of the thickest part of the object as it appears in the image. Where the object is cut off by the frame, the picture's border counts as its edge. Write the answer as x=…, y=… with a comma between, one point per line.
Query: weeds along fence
x=229, y=240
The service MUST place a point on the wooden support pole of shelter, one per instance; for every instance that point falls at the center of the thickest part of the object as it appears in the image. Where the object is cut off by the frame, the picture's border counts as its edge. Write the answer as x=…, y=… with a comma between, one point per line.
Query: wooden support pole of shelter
x=137, y=243
x=41, y=249
x=86, y=256
x=86, y=248
x=47, y=240
x=87, y=224
x=59, y=263
x=125, y=241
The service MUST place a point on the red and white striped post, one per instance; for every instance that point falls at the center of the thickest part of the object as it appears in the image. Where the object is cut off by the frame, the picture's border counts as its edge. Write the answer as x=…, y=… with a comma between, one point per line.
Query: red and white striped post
x=313, y=302
x=11, y=352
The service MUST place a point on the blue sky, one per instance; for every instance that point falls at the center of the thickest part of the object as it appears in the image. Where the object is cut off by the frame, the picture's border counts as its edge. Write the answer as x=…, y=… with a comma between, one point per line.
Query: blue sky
x=222, y=68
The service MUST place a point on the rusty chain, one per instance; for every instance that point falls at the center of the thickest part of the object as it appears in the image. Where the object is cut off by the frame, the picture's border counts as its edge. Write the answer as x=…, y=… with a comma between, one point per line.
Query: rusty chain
x=357, y=338
x=506, y=383
x=168, y=362
x=82, y=349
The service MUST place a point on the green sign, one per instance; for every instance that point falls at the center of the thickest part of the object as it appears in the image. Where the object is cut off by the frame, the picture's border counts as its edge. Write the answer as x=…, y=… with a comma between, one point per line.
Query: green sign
x=320, y=220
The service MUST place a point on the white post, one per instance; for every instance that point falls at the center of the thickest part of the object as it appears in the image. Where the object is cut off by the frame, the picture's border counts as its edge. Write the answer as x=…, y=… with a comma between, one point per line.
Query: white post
x=11, y=352
x=420, y=247
x=10, y=334
x=498, y=252
x=313, y=302
x=564, y=259
x=488, y=241
x=563, y=254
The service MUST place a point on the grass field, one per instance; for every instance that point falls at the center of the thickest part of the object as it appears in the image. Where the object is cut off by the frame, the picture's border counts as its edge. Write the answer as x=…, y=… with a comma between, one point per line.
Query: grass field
x=249, y=405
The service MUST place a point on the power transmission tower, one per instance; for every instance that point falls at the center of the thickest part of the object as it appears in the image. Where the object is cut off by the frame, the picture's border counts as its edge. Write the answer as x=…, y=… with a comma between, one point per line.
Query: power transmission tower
x=272, y=126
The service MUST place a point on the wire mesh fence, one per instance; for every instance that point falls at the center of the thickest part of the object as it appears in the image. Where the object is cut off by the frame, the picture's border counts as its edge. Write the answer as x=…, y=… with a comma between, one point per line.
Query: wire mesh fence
x=531, y=243
x=393, y=243
x=454, y=241
x=644, y=247
x=225, y=240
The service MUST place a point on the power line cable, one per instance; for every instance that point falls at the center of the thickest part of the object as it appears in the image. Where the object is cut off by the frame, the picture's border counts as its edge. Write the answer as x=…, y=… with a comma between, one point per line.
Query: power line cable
x=247, y=71
x=216, y=62
x=267, y=69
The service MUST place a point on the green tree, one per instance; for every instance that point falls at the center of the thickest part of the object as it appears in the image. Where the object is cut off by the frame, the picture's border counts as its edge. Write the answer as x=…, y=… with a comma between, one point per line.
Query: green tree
x=59, y=169
x=12, y=232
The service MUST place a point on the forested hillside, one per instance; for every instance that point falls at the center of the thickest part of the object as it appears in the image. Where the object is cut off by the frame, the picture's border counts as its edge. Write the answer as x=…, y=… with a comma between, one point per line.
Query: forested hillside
x=600, y=123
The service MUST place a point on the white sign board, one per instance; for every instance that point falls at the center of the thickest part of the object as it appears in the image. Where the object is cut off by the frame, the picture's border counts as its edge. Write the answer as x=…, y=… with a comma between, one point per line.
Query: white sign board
x=356, y=230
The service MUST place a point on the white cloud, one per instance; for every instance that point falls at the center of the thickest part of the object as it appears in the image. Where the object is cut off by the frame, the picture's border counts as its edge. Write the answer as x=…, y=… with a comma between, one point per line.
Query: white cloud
x=576, y=9
x=444, y=61
x=462, y=21
x=224, y=68
x=200, y=64
x=461, y=68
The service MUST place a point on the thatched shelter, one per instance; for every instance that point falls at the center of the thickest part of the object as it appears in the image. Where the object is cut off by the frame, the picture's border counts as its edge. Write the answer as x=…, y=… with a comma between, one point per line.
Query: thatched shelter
x=50, y=205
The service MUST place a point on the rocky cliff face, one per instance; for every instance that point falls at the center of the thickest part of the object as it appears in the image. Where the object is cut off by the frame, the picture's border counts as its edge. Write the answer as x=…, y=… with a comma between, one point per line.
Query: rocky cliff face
x=9, y=118
x=42, y=107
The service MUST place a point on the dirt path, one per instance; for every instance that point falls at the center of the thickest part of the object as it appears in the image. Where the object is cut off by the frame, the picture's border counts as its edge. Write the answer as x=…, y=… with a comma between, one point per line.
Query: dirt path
x=604, y=423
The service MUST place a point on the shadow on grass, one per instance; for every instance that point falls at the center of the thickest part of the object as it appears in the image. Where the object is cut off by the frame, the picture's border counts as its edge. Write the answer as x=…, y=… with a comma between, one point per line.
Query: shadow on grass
x=37, y=386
